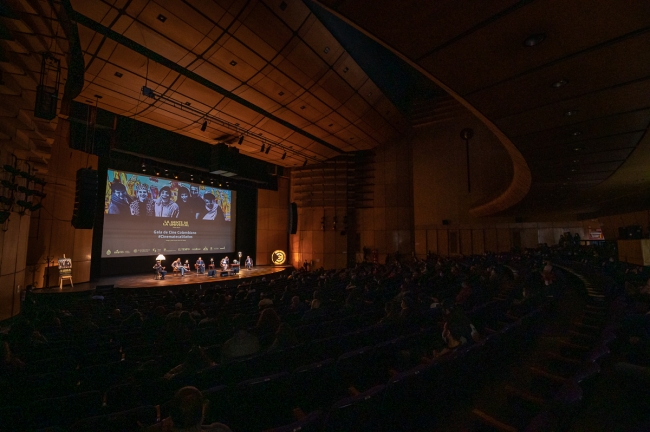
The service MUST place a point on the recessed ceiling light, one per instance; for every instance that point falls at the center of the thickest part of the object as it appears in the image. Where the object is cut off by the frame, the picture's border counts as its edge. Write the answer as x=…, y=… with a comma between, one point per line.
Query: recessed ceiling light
x=575, y=161
x=326, y=50
x=233, y=63
x=577, y=148
x=119, y=74
x=331, y=124
x=345, y=69
x=369, y=94
x=571, y=113
x=576, y=133
x=302, y=107
x=534, y=39
x=162, y=18
x=560, y=83
x=281, y=93
x=188, y=103
x=573, y=170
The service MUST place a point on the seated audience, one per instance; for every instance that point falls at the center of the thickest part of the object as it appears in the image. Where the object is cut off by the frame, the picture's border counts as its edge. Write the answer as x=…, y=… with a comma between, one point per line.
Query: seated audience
x=186, y=414
x=196, y=360
x=242, y=343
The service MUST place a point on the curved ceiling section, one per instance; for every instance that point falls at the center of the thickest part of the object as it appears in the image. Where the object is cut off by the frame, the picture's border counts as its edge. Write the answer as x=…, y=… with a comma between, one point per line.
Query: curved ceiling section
x=568, y=92
x=269, y=68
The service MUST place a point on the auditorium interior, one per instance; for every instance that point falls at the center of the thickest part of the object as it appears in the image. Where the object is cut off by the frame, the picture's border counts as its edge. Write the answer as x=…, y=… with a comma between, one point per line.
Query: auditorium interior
x=446, y=205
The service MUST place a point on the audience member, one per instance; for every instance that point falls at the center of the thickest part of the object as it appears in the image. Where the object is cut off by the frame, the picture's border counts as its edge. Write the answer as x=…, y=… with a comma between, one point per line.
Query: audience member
x=242, y=343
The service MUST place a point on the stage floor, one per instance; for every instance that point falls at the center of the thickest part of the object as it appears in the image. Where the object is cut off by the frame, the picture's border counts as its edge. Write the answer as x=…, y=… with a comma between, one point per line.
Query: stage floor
x=147, y=281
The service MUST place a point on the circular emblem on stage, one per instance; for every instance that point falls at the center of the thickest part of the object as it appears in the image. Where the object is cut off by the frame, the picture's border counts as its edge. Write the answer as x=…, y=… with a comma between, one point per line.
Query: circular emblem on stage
x=108, y=252
x=278, y=257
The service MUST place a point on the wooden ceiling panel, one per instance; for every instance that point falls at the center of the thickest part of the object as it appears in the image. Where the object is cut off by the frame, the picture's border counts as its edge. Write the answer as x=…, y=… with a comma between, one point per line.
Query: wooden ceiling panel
x=155, y=42
x=212, y=10
x=322, y=42
x=224, y=58
x=350, y=71
x=271, y=89
x=316, y=131
x=291, y=117
x=93, y=9
x=325, y=96
x=294, y=72
x=238, y=111
x=283, y=80
x=257, y=98
x=268, y=27
x=294, y=14
x=175, y=28
x=496, y=52
x=434, y=22
x=615, y=64
x=599, y=104
x=198, y=94
x=241, y=51
x=336, y=86
x=216, y=75
x=275, y=129
x=252, y=40
x=190, y=17
x=357, y=105
x=306, y=60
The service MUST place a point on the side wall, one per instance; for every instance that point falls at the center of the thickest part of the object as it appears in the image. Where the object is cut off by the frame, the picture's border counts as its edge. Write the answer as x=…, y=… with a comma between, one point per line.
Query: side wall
x=272, y=220
x=51, y=234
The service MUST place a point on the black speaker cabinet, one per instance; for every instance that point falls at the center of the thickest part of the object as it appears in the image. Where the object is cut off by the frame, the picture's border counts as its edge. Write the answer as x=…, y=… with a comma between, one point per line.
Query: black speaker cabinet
x=85, y=202
x=46, y=102
x=293, y=218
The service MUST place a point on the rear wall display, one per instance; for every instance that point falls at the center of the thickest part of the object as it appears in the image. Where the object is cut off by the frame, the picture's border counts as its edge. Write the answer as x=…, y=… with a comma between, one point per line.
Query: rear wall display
x=146, y=215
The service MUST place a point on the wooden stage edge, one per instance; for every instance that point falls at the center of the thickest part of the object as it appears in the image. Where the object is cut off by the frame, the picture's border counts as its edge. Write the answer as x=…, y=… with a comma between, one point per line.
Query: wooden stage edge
x=147, y=281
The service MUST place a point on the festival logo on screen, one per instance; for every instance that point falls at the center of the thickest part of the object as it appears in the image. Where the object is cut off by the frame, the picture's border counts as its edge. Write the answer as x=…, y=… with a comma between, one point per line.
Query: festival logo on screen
x=142, y=195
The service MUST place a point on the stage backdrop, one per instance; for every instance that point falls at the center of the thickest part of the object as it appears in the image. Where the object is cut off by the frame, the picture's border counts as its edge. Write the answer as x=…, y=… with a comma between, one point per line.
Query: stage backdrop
x=146, y=216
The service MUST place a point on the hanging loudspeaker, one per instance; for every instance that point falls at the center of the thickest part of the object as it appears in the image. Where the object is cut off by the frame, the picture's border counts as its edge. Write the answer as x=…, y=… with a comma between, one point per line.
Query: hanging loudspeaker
x=293, y=218
x=83, y=215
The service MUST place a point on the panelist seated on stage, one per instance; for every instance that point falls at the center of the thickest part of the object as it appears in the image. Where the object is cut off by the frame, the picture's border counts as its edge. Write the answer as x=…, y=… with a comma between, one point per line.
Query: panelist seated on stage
x=225, y=262
x=249, y=262
x=160, y=270
x=211, y=265
x=179, y=267
x=200, y=265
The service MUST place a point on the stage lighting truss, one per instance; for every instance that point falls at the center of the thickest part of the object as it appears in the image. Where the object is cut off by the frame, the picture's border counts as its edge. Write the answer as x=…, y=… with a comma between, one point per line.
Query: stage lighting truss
x=205, y=117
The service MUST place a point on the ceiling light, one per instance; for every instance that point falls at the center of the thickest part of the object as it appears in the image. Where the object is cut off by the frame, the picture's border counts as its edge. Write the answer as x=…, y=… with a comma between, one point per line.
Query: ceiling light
x=331, y=124
x=560, y=83
x=369, y=94
x=212, y=182
x=268, y=149
x=534, y=39
x=162, y=18
x=281, y=93
x=302, y=107
x=188, y=103
x=284, y=155
x=570, y=113
x=219, y=184
x=573, y=170
x=577, y=148
x=345, y=69
x=202, y=181
x=575, y=161
x=175, y=176
x=119, y=74
x=157, y=172
x=233, y=63
x=204, y=126
x=262, y=148
x=326, y=50
x=576, y=133
x=241, y=140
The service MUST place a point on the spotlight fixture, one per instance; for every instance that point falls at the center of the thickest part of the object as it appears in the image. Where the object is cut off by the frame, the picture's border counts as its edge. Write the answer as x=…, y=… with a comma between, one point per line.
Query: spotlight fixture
x=212, y=182
x=326, y=50
x=268, y=149
x=241, y=140
x=119, y=74
x=219, y=184
x=204, y=126
x=202, y=181
x=570, y=113
x=162, y=18
x=576, y=133
x=345, y=69
x=157, y=172
x=176, y=176
x=534, y=39
x=284, y=155
x=560, y=83
x=281, y=93
x=262, y=148
x=233, y=63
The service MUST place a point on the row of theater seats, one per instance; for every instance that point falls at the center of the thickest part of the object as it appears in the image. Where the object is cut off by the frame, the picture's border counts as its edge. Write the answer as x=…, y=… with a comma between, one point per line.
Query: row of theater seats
x=344, y=371
x=559, y=383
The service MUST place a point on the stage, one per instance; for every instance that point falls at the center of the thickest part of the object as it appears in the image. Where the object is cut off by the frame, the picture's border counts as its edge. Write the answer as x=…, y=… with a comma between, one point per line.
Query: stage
x=147, y=280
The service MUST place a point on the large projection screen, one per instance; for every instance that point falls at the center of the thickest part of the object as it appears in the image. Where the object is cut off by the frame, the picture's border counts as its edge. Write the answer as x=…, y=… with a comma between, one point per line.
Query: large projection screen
x=146, y=215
